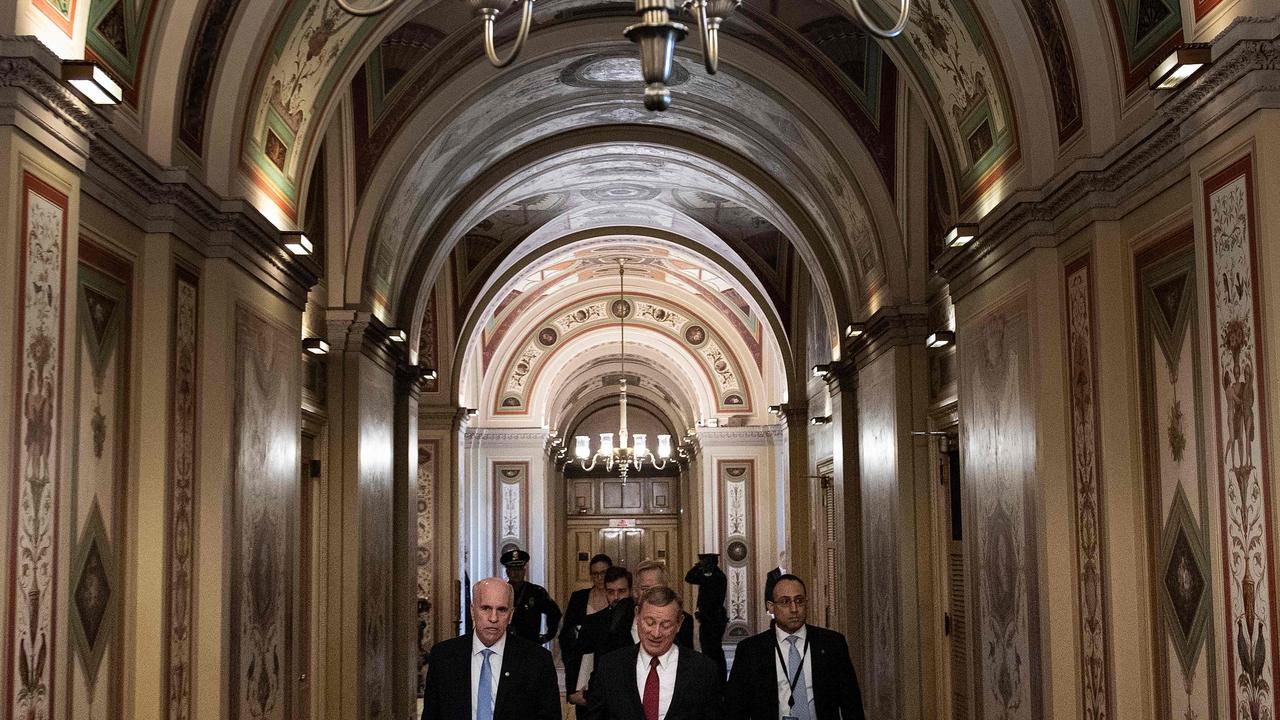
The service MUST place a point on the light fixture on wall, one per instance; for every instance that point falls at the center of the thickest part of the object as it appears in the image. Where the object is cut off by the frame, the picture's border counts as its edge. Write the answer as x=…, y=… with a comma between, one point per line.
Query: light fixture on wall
x=656, y=33
x=853, y=331
x=315, y=346
x=820, y=420
x=822, y=370
x=396, y=335
x=775, y=410
x=92, y=81
x=940, y=339
x=960, y=235
x=632, y=451
x=296, y=243
x=427, y=374
x=1181, y=64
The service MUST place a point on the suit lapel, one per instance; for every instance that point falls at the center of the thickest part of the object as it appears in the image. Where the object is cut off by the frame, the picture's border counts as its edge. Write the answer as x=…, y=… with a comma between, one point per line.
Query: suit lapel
x=629, y=680
x=504, y=678
x=681, y=692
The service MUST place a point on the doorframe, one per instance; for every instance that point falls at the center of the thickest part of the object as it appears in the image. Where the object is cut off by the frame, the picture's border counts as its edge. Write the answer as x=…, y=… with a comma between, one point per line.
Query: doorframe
x=310, y=602
x=946, y=419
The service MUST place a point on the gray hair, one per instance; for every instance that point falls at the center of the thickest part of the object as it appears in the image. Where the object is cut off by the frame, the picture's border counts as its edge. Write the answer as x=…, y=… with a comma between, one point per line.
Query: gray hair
x=661, y=596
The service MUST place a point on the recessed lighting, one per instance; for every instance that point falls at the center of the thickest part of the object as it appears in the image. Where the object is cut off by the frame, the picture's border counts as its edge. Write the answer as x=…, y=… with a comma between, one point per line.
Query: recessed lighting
x=1181, y=64
x=397, y=335
x=297, y=243
x=820, y=420
x=855, y=330
x=941, y=339
x=315, y=346
x=92, y=81
x=821, y=371
x=960, y=235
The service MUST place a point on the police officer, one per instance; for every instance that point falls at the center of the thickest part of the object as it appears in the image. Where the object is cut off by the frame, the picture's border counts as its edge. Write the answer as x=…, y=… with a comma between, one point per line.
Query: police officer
x=712, y=618
x=531, y=601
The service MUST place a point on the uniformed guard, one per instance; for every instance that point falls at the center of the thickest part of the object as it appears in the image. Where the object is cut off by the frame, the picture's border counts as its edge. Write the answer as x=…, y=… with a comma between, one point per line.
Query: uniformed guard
x=532, y=601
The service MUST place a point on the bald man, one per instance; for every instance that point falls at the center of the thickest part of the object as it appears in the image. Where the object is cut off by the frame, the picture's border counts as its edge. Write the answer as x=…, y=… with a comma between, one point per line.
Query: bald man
x=489, y=674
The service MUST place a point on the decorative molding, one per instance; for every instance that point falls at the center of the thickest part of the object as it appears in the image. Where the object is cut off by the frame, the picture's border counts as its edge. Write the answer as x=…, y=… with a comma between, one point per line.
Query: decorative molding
x=889, y=327
x=511, y=519
x=1092, y=574
x=739, y=436
x=474, y=437
x=1138, y=168
x=181, y=517
x=31, y=641
x=1243, y=457
x=34, y=98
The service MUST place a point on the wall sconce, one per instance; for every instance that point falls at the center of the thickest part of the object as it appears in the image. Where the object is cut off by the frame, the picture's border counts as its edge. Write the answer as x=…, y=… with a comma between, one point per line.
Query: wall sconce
x=297, y=243
x=1181, y=64
x=315, y=346
x=397, y=335
x=92, y=81
x=426, y=373
x=472, y=412
x=960, y=235
x=820, y=420
x=821, y=371
x=940, y=339
x=853, y=331
x=775, y=410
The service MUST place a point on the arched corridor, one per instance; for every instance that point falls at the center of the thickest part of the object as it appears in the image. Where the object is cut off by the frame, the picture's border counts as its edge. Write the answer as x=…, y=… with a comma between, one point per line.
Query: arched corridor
x=317, y=315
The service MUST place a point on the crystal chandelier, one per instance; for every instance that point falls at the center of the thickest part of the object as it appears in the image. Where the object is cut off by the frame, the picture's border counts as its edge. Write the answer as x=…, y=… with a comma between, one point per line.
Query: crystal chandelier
x=656, y=33
x=624, y=456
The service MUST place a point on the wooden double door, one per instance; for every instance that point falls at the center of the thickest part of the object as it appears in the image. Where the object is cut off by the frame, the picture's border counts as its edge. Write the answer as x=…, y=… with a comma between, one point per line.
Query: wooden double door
x=628, y=541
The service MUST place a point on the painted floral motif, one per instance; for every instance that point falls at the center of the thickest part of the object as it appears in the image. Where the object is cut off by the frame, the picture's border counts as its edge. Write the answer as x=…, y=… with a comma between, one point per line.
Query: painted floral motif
x=1244, y=473
x=1095, y=649
x=511, y=487
x=736, y=478
x=428, y=471
x=181, y=519
x=1000, y=440
x=35, y=556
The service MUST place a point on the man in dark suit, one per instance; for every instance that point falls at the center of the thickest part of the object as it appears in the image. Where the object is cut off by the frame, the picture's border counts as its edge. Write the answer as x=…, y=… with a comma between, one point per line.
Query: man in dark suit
x=793, y=670
x=655, y=679
x=713, y=619
x=488, y=674
x=605, y=631
x=651, y=574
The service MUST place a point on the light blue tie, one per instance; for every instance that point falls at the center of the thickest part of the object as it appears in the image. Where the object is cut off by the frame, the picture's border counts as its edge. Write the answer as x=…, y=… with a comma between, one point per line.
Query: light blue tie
x=801, y=693
x=484, y=690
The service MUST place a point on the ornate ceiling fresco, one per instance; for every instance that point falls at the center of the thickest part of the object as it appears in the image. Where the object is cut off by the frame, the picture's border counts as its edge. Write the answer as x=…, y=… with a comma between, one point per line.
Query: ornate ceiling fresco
x=1147, y=31
x=117, y=36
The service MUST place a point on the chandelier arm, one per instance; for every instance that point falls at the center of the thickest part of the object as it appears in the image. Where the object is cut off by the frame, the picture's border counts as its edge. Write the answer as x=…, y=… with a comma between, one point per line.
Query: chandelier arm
x=585, y=467
x=526, y=19
x=904, y=14
x=350, y=9
x=710, y=40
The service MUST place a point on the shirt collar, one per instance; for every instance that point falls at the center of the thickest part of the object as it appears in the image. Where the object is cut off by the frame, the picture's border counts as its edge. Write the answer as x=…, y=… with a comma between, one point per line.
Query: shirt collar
x=802, y=633
x=498, y=648
x=670, y=656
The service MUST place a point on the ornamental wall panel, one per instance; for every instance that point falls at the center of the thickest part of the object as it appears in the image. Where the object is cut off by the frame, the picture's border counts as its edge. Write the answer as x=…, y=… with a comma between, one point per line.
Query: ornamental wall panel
x=1242, y=461
x=998, y=436
x=37, y=475
x=266, y=455
x=737, y=543
x=1176, y=479
x=428, y=475
x=180, y=520
x=878, y=438
x=99, y=472
x=1092, y=583
x=511, y=505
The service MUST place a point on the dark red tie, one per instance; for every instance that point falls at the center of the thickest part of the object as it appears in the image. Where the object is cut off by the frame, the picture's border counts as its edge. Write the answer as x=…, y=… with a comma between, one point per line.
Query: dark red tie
x=651, y=691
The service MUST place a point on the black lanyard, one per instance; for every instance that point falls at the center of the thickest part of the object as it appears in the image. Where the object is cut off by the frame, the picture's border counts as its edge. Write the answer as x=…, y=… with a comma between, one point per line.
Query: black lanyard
x=792, y=681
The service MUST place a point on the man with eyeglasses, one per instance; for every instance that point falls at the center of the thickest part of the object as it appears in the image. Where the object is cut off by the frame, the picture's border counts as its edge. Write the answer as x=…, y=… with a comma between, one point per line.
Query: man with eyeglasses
x=793, y=670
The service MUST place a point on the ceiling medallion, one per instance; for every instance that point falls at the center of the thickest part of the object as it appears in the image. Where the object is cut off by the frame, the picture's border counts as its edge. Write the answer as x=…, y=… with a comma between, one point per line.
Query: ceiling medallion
x=656, y=33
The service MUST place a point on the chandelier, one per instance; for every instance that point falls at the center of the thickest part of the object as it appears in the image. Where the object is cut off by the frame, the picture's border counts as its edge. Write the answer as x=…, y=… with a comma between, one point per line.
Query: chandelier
x=656, y=33
x=624, y=456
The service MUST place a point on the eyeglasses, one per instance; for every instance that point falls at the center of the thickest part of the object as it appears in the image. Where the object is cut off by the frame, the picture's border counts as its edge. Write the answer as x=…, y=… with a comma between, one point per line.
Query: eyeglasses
x=787, y=602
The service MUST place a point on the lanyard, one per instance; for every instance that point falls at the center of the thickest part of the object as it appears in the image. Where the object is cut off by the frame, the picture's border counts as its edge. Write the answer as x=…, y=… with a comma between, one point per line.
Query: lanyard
x=792, y=681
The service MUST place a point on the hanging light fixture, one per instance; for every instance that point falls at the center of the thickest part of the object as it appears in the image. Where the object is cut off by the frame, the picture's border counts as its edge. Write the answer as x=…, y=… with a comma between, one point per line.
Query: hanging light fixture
x=656, y=33
x=623, y=455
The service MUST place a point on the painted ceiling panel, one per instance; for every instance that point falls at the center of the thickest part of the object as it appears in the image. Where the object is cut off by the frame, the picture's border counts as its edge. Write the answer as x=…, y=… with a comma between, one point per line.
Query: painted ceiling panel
x=1148, y=31
x=117, y=38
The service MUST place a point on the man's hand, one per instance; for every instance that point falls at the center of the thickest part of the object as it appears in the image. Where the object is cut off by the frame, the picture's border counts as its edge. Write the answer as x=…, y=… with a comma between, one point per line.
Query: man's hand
x=577, y=698
x=545, y=638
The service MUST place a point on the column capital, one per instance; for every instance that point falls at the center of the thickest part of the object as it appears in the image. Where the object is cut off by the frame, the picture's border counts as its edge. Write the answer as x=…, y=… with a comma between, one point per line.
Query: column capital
x=888, y=328
x=361, y=331
x=34, y=98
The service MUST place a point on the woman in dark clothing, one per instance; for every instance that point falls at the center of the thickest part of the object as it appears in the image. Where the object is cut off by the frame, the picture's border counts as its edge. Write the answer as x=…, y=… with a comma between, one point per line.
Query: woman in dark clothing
x=582, y=603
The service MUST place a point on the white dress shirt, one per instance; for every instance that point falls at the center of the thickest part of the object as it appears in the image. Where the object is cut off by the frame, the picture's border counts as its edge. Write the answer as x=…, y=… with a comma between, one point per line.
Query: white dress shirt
x=495, y=667
x=666, y=676
x=784, y=682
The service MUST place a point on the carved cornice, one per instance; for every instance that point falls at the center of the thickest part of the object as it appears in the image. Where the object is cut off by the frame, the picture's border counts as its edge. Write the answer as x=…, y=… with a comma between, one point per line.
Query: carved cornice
x=34, y=98
x=533, y=437
x=1244, y=76
x=361, y=331
x=888, y=328
x=171, y=200
x=739, y=436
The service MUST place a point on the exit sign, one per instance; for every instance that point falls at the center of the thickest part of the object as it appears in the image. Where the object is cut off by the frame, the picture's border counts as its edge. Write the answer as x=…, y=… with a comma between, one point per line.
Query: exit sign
x=622, y=522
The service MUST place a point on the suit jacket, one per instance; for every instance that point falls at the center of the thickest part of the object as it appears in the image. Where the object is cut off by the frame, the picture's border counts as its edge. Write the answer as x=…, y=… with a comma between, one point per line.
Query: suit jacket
x=571, y=644
x=752, y=692
x=527, y=687
x=613, y=695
